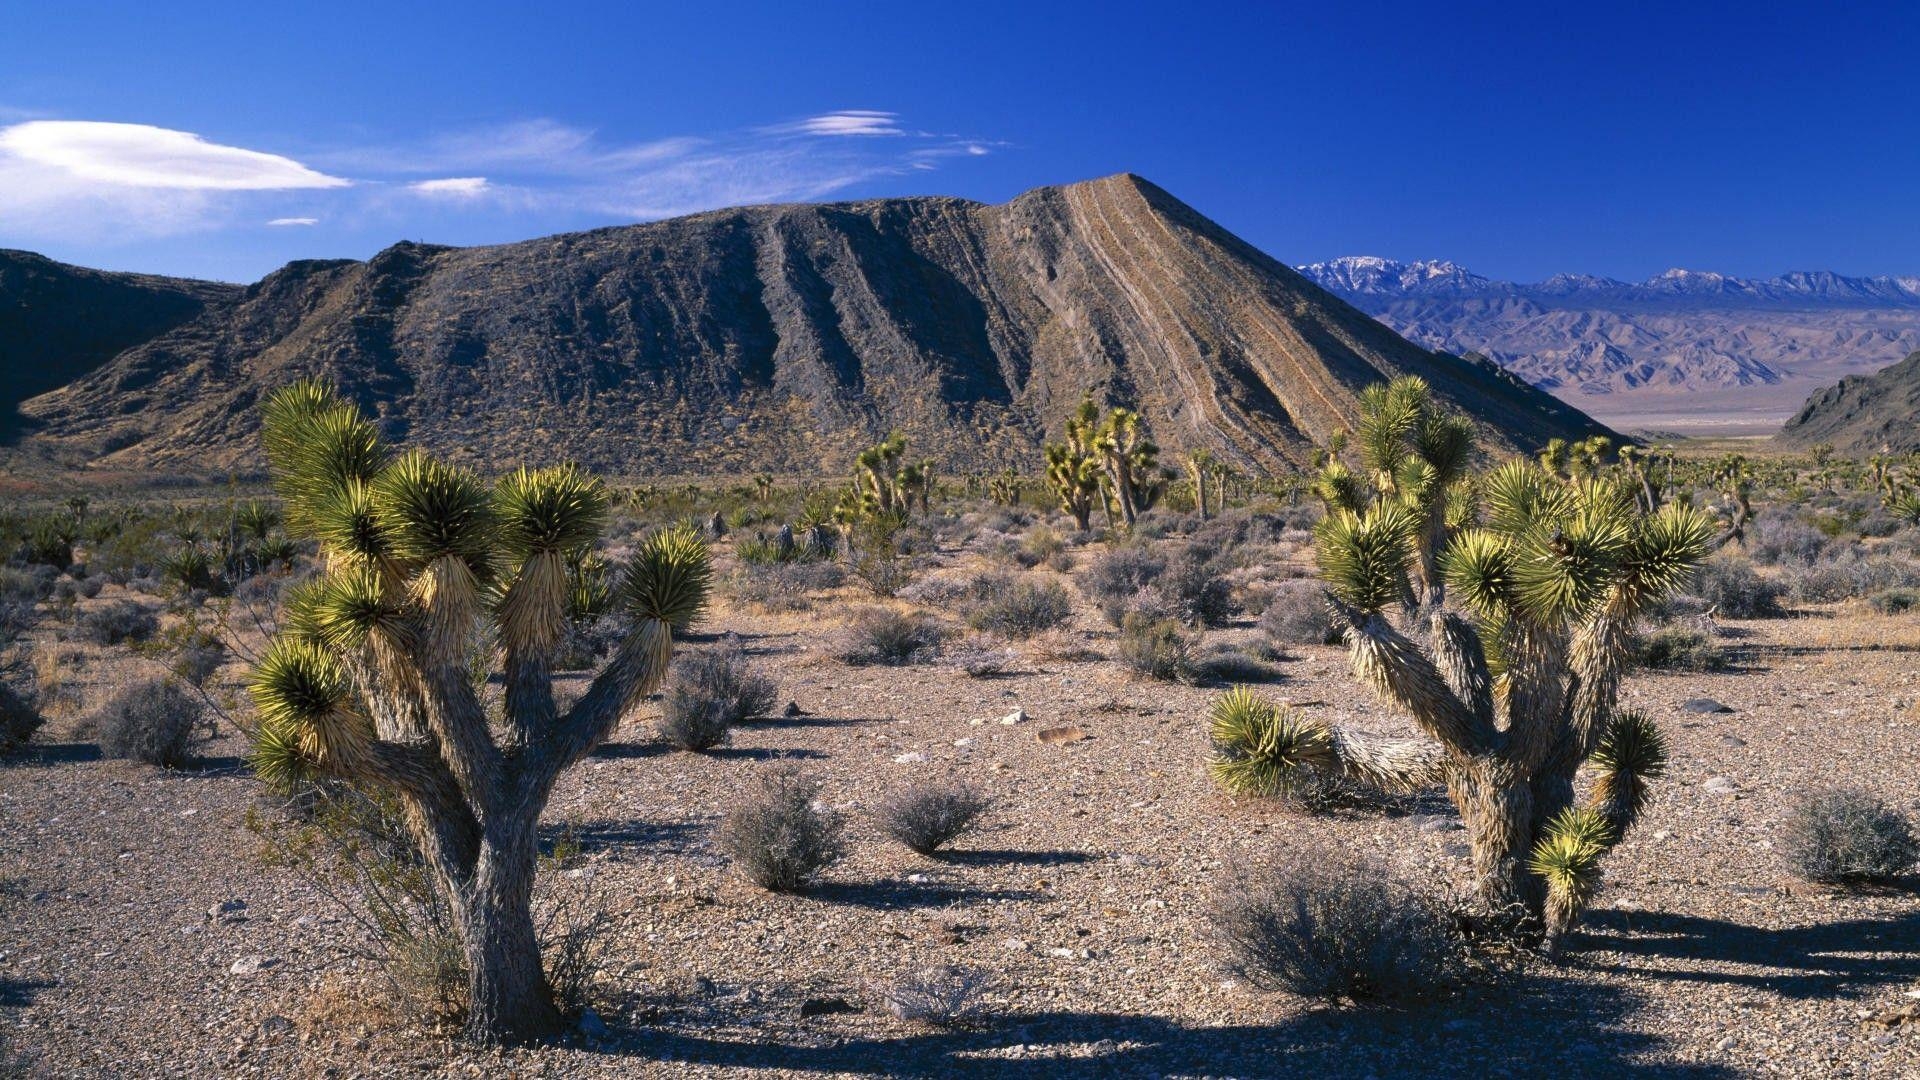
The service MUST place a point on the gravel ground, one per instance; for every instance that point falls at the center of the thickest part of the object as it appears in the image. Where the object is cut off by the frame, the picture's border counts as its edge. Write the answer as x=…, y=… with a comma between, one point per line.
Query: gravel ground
x=1085, y=893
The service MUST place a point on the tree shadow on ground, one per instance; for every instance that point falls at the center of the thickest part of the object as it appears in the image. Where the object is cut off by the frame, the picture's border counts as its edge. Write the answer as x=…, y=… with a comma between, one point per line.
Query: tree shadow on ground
x=658, y=838
x=19, y=993
x=895, y=894
x=1831, y=959
x=623, y=750
x=1551, y=1026
x=809, y=721
x=763, y=753
x=1010, y=857
x=43, y=754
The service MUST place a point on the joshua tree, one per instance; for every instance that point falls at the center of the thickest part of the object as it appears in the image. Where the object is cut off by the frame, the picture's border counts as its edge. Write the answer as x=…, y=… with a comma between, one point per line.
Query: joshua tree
x=1414, y=454
x=1204, y=468
x=1130, y=459
x=429, y=576
x=1074, y=467
x=1512, y=700
x=1005, y=487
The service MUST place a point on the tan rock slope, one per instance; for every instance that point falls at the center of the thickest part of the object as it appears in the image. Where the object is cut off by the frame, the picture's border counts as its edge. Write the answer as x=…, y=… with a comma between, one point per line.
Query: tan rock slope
x=785, y=337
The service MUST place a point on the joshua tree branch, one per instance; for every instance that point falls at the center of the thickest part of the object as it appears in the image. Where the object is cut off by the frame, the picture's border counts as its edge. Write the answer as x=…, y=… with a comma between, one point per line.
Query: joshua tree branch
x=1388, y=764
x=436, y=807
x=1400, y=673
x=635, y=670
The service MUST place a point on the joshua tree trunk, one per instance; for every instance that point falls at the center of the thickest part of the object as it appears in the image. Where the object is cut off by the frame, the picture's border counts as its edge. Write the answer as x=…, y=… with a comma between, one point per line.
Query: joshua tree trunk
x=508, y=996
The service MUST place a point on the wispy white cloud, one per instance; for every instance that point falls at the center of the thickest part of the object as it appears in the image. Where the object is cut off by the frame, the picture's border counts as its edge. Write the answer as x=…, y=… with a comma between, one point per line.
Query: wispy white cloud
x=139, y=155
x=65, y=179
x=68, y=180
x=847, y=122
x=457, y=187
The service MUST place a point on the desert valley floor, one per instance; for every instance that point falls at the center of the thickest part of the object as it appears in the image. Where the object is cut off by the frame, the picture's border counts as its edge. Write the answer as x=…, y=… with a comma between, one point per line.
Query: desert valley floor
x=141, y=933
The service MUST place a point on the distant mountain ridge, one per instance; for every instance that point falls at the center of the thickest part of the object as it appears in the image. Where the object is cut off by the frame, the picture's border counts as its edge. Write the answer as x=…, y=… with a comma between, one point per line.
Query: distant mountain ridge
x=1685, y=347
x=1871, y=414
x=1372, y=276
x=784, y=338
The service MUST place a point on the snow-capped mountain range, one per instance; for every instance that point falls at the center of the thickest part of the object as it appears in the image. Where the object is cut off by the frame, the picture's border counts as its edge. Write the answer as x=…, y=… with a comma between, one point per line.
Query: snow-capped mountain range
x=1374, y=276
x=1685, y=349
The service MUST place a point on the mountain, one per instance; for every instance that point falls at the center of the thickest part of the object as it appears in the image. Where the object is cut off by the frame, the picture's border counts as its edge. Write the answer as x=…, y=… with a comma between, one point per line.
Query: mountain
x=1861, y=415
x=785, y=337
x=1686, y=349
x=58, y=322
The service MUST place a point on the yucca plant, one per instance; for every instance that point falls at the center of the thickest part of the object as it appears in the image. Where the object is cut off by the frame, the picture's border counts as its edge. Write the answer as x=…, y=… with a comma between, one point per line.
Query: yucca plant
x=429, y=576
x=1515, y=692
x=1075, y=468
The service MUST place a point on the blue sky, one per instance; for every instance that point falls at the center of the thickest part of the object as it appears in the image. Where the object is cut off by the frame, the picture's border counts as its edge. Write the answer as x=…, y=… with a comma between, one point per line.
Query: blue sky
x=1519, y=140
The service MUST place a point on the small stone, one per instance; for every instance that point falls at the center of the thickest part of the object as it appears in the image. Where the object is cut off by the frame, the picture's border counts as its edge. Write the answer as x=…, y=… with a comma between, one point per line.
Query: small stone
x=249, y=965
x=1017, y=716
x=1719, y=785
x=1703, y=705
x=1437, y=823
x=1727, y=1043
x=591, y=1025
x=793, y=709
x=274, y=1027
x=223, y=910
x=1014, y=944
x=912, y=757
x=1061, y=736
x=1732, y=740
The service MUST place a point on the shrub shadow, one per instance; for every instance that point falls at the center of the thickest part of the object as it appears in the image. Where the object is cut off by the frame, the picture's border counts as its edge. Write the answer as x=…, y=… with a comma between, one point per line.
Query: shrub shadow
x=883, y=895
x=1567, y=1028
x=1820, y=961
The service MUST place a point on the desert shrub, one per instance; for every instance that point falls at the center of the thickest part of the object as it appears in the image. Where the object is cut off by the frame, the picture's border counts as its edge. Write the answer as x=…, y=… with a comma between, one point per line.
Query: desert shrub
x=943, y=996
x=1894, y=601
x=779, y=836
x=708, y=693
x=1193, y=590
x=1297, y=614
x=26, y=584
x=925, y=816
x=1731, y=586
x=1847, y=836
x=1325, y=926
x=980, y=657
x=154, y=721
x=1019, y=607
x=1116, y=577
x=70, y=590
x=1775, y=538
x=784, y=586
x=1156, y=648
x=882, y=555
x=1044, y=544
x=20, y=719
x=1851, y=576
x=1677, y=648
x=889, y=637
x=117, y=622
x=1224, y=664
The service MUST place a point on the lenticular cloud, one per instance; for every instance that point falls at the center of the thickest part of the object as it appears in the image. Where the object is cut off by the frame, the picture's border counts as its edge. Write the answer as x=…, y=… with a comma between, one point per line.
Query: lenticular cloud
x=138, y=155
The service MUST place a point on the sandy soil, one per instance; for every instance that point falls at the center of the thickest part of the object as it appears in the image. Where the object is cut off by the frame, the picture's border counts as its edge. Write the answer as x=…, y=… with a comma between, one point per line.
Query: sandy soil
x=1085, y=891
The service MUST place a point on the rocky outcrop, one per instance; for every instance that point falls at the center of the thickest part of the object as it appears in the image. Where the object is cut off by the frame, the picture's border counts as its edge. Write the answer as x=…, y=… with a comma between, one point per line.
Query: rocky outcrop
x=58, y=322
x=1874, y=414
x=785, y=337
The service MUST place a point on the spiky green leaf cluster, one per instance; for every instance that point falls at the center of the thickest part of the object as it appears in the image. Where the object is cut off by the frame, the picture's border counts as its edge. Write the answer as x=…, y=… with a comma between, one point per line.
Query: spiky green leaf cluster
x=556, y=509
x=1364, y=557
x=1260, y=748
x=1633, y=744
x=1568, y=853
x=277, y=758
x=298, y=682
x=428, y=510
x=669, y=578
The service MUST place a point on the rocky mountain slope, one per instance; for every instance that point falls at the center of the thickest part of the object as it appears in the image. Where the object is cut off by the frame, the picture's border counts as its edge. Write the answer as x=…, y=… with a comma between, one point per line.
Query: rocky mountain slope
x=58, y=322
x=785, y=337
x=1683, y=348
x=1860, y=415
